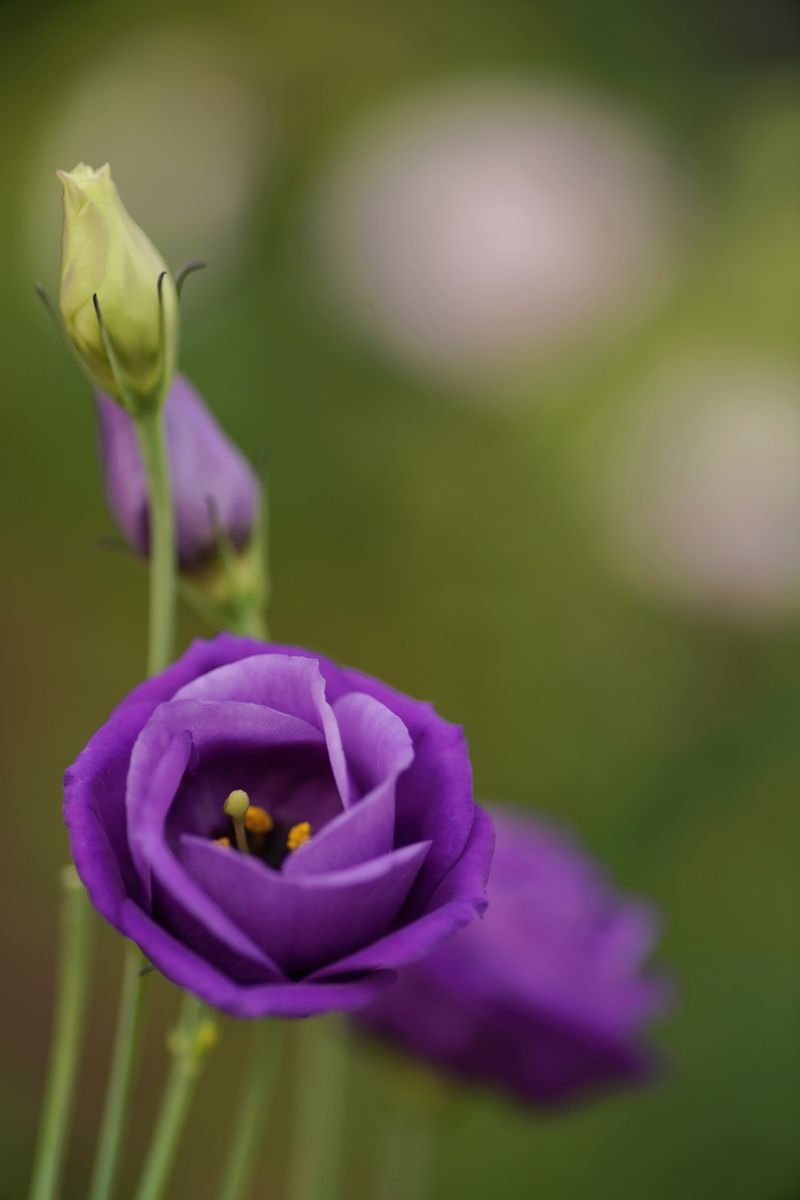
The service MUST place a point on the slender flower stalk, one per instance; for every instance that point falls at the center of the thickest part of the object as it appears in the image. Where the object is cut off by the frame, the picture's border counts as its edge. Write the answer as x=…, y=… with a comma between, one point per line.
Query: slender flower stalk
x=410, y=1127
x=163, y=571
x=68, y=1030
x=405, y=1165
x=250, y=1121
x=120, y=1080
x=319, y=1081
x=252, y=624
x=194, y=1036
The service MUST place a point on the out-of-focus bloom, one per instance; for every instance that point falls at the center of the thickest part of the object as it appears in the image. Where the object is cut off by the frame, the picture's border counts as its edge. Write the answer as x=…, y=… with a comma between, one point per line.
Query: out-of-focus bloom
x=477, y=225
x=214, y=487
x=701, y=487
x=277, y=834
x=545, y=996
x=106, y=254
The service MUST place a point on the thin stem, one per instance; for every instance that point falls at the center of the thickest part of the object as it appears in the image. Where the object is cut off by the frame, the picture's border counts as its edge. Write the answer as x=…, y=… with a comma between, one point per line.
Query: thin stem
x=251, y=622
x=251, y=1117
x=404, y=1169
x=163, y=575
x=191, y=1041
x=416, y=1105
x=319, y=1079
x=120, y=1079
x=68, y=1030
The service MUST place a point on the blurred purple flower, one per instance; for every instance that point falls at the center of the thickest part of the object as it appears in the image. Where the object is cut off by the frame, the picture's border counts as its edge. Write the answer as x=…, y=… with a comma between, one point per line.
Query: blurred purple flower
x=546, y=995
x=397, y=856
x=213, y=483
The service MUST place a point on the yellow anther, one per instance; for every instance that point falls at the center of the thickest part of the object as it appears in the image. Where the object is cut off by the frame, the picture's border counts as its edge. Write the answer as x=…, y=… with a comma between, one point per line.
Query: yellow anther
x=256, y=820
x=298, y=835
x=223, y=841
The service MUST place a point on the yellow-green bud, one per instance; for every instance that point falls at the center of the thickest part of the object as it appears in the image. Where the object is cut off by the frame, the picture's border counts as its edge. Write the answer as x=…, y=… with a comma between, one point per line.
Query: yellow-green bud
x=105, y=254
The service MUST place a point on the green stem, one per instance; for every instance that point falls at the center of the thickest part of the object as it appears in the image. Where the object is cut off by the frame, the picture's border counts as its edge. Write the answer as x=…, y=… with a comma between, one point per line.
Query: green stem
x=251, y=1118
x=416, y=1108
x=319, y=1078
x=68, y=1029
x=163, y=573
x=193, y=1038
x=126, y=1042
x=251, y=622
x=406, y=1158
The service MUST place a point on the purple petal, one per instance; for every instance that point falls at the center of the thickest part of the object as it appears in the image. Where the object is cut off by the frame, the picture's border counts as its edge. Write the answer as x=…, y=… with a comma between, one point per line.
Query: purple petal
x=236, y=727
x=299, y=922
x=362, y=832
x=376, y=743
x=378, y=749
x=187, y=969
x=290, y=684
x=200, y=657
x=460, y=896
x=94, y=811
x=174, y=732
x=182, y=904
x=441, y=769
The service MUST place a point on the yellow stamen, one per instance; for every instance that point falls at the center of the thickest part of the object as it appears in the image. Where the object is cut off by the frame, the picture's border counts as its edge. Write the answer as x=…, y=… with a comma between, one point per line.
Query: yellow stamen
x=236, y=806
x=298, y=835
x=256, y=820
x=223, y=841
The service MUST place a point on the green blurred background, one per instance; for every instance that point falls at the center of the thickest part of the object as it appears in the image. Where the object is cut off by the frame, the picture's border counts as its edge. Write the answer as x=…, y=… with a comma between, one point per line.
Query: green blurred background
x=580, y=539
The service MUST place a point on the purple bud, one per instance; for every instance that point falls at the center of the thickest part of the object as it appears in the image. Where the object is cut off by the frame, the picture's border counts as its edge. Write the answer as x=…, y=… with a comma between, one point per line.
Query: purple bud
x=213, y=484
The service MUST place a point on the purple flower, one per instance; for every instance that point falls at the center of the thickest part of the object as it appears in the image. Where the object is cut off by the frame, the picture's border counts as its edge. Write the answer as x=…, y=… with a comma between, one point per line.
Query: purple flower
x=359, y=845
x=546, y=995
x=212, y=481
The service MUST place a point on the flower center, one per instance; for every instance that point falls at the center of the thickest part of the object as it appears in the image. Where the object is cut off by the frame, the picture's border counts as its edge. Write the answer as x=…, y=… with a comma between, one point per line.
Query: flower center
x=256, y=833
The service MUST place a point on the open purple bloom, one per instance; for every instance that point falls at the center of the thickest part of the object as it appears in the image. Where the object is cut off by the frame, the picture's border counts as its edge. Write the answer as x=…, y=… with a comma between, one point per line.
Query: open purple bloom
x=277, y=834
x=546, y=996
x=214, y=486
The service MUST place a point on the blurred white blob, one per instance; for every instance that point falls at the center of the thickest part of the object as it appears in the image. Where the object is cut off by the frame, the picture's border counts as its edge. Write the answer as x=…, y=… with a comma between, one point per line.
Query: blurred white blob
x=477, y=225
x=706, y=489
x=183, y=130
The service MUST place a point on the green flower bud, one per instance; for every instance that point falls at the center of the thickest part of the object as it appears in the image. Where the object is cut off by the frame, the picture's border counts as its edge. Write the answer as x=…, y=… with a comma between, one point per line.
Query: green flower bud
x=127, y=339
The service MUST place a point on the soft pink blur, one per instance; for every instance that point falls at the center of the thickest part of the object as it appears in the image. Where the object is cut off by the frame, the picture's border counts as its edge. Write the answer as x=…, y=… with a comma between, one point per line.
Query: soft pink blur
x=706, y=500
x=478, y=223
